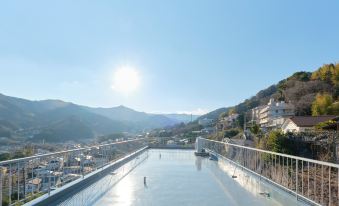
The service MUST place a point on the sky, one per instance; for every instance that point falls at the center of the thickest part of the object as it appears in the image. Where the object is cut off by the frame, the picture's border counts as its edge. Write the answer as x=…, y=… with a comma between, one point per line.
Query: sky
x=188, y=56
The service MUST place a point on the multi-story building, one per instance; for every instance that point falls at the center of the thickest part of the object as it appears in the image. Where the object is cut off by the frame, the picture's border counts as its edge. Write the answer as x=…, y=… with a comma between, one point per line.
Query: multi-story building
x=273, y=114
x=255, y=113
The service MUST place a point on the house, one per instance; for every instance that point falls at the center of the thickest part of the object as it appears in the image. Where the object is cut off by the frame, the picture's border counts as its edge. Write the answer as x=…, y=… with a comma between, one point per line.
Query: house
x=33, y=185
x=273, y=114
x=208, y=130
x=205, y=122
x=55, y=164
x=227, y=122
x=305, y=123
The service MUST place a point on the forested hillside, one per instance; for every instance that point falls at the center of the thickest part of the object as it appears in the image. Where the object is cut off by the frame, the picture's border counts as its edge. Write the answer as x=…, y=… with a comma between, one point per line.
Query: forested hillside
x=312, y=93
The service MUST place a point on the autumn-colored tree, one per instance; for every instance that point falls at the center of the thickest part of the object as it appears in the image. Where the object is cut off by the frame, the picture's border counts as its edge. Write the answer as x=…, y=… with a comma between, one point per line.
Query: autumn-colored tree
x=335, y=75
x=322, y=104
x=328, y=73
x=231, y=111
x=334, y=108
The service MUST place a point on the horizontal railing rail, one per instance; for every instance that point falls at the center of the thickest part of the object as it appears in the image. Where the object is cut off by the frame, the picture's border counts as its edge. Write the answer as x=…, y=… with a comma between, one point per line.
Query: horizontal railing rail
x=280, y=154
x=65, y=151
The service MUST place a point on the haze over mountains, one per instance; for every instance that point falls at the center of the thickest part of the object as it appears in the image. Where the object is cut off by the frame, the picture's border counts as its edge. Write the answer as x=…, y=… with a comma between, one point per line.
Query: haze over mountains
x=56, y=120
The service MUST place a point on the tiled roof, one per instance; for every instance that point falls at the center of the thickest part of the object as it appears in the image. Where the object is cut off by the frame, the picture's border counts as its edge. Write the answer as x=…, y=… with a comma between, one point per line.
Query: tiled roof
x=310, y=121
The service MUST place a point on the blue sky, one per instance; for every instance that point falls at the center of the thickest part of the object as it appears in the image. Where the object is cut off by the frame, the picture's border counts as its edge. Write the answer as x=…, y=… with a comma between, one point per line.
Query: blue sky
x=190, y=55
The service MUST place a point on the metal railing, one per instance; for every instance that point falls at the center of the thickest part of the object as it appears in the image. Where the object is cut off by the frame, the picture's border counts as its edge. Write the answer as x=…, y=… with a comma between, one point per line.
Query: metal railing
x=24, y=179
x=314, y=182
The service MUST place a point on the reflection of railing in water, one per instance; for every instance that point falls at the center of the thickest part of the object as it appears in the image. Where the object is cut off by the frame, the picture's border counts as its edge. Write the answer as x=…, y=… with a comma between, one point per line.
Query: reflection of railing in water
x=92, y=193
x=310, y=180
x=22, y=180
x=253, y=184
x=167, y=146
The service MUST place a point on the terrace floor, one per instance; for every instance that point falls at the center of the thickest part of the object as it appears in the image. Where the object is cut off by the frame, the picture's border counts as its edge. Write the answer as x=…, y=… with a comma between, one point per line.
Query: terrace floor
x=178, y=177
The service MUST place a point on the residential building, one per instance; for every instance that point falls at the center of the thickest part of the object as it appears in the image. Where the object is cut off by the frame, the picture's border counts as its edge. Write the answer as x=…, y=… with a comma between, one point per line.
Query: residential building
x=205, y=122
x=305, y=123
x=255, y=113
x=273, y=114
x=208, y=130
x=33, y=185
x=227, y=122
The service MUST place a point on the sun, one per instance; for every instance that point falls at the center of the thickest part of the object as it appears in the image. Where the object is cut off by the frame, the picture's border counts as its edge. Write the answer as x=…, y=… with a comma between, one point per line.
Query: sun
x=126, y=80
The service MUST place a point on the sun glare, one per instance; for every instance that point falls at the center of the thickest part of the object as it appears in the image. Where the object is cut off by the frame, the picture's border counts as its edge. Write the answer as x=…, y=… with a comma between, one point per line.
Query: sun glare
x=126, y=80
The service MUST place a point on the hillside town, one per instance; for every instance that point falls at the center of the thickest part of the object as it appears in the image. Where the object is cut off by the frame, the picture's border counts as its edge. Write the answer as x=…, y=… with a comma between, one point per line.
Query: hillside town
x=278, y=115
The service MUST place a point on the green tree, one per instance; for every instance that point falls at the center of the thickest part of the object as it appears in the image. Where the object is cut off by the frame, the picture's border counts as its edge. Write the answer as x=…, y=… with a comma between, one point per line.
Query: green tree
x=230, y=133
x=240, y=120
x=276, y=141
x=255, y=129
x=322, y=104
x=222, y=115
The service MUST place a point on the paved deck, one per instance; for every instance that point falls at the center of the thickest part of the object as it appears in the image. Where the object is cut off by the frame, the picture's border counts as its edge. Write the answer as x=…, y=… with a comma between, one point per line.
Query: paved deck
x=177, y=177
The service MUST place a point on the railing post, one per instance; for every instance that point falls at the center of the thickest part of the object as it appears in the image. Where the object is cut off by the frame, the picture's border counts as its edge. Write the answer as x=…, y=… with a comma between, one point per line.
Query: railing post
x=10, y=185
x=296, y=178
x=329, y=186
x=18, y=177
x=24, y=179
x=0, y=186
x=302, y=178
x=308, y=179
x=32, y=178
x=322, y=184
x=338, y=185
x=82, y=167
x=49, y=183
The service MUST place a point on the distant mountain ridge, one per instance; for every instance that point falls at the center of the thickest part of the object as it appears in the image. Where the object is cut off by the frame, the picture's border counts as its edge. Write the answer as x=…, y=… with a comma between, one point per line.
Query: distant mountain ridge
x=56, y=120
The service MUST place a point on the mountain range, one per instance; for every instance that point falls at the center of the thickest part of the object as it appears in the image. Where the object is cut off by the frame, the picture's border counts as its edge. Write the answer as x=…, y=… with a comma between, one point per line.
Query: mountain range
x=56, y=120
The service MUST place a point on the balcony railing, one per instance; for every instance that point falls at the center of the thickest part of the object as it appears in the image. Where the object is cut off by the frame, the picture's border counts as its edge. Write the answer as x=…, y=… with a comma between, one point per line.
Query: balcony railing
x=22, y=180
x=311, y=181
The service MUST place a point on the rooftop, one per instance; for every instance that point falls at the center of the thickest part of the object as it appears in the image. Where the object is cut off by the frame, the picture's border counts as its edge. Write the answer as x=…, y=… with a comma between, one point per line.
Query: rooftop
x=310, y=121
x=178, y=177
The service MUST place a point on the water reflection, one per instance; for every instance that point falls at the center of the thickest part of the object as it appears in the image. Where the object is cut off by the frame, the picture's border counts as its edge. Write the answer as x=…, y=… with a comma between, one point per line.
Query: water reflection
x=124, y=193
x=198, y=163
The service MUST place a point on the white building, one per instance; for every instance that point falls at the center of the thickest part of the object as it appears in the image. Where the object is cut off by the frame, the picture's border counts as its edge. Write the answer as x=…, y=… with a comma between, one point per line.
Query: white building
x=304, y=123
x=273, y=114
x=255, y=113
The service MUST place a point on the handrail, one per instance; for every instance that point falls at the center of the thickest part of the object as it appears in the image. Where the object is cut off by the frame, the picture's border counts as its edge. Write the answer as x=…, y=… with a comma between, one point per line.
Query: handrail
x=63, y=152
x=280, y=154
x=313, y=181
